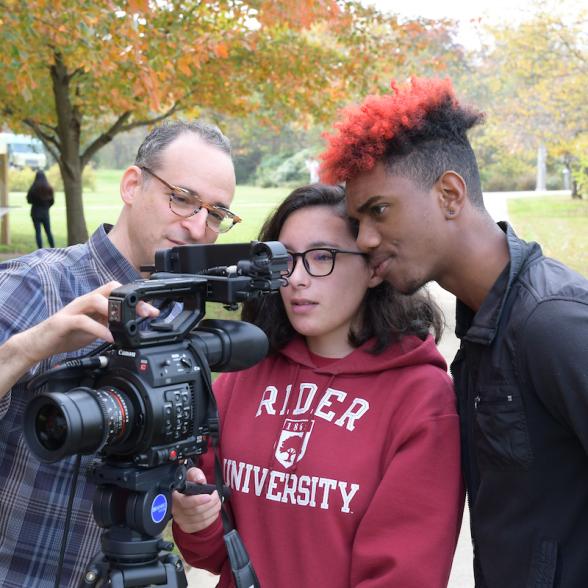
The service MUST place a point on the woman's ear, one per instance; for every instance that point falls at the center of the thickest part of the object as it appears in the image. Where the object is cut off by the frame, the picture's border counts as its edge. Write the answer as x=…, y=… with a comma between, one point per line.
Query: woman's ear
x=375, y=279
x=130, y=184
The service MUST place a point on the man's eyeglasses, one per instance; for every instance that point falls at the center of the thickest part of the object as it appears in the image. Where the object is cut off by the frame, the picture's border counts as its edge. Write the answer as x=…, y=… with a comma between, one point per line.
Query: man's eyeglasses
x=184, y=203
x=318, y=262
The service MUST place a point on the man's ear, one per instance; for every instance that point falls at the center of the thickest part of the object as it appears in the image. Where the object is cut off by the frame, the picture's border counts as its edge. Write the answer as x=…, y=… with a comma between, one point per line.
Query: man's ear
x=130, y=184
x=452, y=193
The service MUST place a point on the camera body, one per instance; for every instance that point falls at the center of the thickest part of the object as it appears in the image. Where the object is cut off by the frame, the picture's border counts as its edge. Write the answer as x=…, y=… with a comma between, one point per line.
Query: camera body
x=147, y=407
x=145, y=402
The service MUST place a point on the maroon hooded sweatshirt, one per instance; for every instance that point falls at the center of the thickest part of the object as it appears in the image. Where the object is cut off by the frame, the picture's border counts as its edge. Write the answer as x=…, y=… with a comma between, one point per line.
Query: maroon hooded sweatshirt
x=344, y=472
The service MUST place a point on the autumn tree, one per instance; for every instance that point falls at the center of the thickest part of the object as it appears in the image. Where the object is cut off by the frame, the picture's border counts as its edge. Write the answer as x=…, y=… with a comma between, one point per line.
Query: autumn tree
x=77, y=73
x=379, y=47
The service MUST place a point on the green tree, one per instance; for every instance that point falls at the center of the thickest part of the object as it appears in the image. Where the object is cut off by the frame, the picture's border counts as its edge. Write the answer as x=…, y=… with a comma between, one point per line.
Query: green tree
x=535, y=74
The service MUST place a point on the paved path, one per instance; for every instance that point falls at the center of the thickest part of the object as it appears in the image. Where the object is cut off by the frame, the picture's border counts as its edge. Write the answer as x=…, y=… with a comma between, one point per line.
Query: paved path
x=201, y=579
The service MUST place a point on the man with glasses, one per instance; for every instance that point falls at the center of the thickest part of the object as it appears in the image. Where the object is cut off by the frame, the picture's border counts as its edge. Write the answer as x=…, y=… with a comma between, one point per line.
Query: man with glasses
x=178, y=192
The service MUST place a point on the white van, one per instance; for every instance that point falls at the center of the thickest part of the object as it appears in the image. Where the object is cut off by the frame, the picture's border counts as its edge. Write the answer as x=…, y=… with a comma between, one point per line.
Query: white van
x=24, y=151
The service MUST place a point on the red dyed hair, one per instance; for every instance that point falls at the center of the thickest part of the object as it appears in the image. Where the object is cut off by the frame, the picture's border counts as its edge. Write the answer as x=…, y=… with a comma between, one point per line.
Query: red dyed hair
x=366, y=130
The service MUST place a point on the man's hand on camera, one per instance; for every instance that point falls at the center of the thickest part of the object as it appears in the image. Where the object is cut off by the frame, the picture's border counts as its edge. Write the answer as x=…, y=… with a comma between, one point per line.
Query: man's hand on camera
x=197, y=512
x=76, y=325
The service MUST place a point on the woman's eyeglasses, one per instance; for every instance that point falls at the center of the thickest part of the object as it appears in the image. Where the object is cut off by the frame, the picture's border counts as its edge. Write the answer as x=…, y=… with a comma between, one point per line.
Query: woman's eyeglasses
x=318, y=262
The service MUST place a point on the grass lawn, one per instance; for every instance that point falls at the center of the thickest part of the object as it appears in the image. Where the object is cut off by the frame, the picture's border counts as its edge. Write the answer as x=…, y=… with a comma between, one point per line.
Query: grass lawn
x=558, y=223
x=103, y=204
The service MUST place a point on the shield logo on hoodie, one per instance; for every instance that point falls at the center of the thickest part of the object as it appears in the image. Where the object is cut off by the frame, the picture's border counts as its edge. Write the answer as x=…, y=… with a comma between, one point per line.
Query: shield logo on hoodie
x=293, y=440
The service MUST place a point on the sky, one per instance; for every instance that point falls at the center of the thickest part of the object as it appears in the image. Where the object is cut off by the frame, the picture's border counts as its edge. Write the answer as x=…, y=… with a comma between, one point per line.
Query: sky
x=494, y=10
x=467, y=12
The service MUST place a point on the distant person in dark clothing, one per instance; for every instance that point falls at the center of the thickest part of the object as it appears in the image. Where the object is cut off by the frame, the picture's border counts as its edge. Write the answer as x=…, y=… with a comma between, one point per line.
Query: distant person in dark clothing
x=40, y=197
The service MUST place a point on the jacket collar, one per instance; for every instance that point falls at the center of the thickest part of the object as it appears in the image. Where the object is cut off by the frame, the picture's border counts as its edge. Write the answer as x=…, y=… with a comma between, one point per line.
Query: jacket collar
x=481, y=327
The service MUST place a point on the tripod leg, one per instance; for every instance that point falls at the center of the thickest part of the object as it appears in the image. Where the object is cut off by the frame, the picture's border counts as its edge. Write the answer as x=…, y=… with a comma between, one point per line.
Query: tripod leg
x=168, y=572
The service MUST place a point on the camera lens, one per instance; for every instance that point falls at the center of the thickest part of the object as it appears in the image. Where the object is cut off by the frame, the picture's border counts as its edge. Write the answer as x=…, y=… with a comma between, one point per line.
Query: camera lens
x=80, y=421
x=51, y=427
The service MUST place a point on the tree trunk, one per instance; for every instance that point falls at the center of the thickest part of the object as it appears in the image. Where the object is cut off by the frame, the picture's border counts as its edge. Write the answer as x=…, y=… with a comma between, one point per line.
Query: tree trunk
x=576, y=194
x=74, y=206
x=70, y=163
x=541, y=184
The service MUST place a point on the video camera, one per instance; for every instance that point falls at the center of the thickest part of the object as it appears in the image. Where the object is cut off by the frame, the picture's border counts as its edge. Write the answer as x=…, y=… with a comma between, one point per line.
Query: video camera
x=145, y=404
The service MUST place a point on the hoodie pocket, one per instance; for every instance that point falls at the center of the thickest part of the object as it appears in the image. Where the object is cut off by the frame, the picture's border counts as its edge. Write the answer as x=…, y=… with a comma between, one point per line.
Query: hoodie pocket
x=502, y=436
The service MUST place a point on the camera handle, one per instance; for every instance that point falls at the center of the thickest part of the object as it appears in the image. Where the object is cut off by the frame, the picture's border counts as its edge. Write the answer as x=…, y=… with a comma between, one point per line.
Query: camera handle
x=192, y=488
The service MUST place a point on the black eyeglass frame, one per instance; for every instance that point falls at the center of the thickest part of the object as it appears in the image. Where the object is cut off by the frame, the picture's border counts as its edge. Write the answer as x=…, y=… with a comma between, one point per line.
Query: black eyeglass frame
x=332, y=250
x=212, y=208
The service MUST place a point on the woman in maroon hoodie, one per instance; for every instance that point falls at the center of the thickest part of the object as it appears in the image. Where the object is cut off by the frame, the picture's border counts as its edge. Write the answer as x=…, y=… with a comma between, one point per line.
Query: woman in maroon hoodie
x=341, y=448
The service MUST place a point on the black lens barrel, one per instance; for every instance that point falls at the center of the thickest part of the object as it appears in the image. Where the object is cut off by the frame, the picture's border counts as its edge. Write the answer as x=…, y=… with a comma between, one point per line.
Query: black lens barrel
x=80, y=421
x=230, y=346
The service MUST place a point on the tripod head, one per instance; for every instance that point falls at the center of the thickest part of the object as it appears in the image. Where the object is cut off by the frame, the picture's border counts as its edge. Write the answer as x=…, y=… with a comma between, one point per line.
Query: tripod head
x=133, y=506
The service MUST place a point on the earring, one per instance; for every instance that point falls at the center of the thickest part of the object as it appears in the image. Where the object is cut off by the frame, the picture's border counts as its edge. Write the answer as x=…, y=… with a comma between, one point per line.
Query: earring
x=450, y=211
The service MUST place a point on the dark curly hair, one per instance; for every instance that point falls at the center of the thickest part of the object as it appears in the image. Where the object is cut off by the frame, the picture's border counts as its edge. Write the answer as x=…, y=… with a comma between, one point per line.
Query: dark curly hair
x=419, y=131
x=386, y=315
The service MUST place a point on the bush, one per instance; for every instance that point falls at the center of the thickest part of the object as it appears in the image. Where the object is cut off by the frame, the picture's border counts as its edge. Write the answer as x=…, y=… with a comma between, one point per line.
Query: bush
x=264, y=174
x=283, y=169
x=508, y=175
x=20, y=180
x=554, y=181
x=245, y=166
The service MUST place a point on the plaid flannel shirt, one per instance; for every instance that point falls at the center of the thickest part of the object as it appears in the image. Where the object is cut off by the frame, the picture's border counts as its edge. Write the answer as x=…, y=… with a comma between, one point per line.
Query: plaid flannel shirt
x=33, y=495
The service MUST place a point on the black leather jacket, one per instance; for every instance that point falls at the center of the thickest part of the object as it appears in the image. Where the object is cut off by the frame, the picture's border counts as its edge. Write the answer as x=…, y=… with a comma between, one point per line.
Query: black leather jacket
x=521, y=377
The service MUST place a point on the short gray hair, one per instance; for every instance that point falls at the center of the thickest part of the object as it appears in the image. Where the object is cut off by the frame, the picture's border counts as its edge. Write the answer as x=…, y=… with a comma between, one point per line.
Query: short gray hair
x=163, y=135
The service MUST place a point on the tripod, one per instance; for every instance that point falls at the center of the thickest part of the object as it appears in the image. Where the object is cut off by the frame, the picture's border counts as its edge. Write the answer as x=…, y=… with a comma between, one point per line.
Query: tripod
x=133, y=505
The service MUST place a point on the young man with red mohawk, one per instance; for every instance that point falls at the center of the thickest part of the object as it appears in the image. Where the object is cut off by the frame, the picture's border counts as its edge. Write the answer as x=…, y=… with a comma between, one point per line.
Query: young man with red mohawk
x=521, y=373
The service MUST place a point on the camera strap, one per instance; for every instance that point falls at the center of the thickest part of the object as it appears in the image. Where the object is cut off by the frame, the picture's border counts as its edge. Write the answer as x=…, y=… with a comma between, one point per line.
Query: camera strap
x=241, y=565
